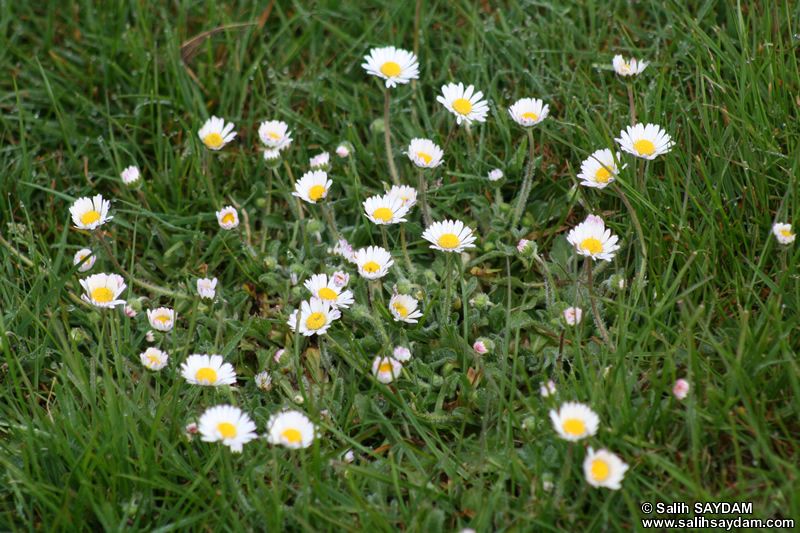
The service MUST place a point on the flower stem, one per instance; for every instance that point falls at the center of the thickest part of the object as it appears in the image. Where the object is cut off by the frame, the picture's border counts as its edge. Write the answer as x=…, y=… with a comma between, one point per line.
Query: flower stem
x=588, y=265
x=526, y=184
x=449, y=136
x=424, y=198
x=388, y=137
x=405, y=249
x=385, y=239
x=633, y=104
x=636, y=224
x=209, y=184
x=328, y=212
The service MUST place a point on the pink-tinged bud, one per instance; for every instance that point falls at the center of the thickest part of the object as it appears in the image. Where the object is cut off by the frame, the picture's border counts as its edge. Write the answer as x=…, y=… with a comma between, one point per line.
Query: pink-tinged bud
x=681, y=389
x=480, y=348
x=573, y=315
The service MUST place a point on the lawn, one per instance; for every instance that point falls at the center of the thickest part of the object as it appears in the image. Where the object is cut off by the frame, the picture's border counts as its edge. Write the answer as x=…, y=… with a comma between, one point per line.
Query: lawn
x=469, y=428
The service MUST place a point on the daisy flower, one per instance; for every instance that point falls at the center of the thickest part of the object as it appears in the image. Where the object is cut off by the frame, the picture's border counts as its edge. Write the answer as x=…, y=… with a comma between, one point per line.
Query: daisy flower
x=573, y=315
x=386, y=209
x=402, y=354
x=208, y=370
x=328, y=291
x=275, y=135
x=207, y=288
x=404, y=308
x=463, y=103
x=496, y=175
x=320, y=161
x=80, y=255
x=130, y=175
x=424, y=153
x=574, y=421
x=292, y=429
x=783, y=232
x=591, y=239
x=263, y=381
x=215, y=133
x=631, y=68
x=228, y=424
x=681, y=389
x=529, y=112
x=449, y=236
x=386, y=369
x=228, y=218
x=161, y=319
x=373, y=262
x=103, y=290
x=406, y=193
x=599, y=169
x=392, y=64
x=313, y=186
x=90, y=213
x=647, y=142
x=603, y=469
x=154, y=359
x=316, y=317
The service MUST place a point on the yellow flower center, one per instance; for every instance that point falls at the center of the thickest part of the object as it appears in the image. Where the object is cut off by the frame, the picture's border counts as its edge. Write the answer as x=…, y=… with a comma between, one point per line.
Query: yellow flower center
x=371, y=267
x=600, y=470
x=91, y=216
x=531, y=116
x=316, y=192
x=228, y=218
x=391, y=69
x=103, y=295
x=163, y=319
x=593, y=246
x=602, y=175
x=425, y=157
x=574, y=426
x=227, y=429
x=449, y=241
x=401, y=310
x=274, y=135
x=786, y=233
x=385, y=367
x=462, y=106
x=292, y=435
x=213, y=140
x=206, y=373
x=624, y=68
x=315, y=321
x=644, y=147
x=153, y=361
x=327, y=294
x=383, y=213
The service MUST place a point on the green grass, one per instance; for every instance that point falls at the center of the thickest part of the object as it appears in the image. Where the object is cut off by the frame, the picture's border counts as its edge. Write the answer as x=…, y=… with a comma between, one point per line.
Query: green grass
x=89, y=440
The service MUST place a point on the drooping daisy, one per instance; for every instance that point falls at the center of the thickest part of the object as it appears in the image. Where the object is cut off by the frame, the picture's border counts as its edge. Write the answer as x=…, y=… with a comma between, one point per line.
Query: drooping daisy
x=80, y=255
x=315, y=317
x=449, y=236
x=130, y=175
x=161, y=319
x=681, y=389
x=386, y=209
x=207, y=288
x=228, y=424
x=291, y=429
x=528, y=112
x=604, y=469
x=463, y=103
x=573, y=315
x=154, y=359
x=215, y=133
x=228, y=218
x=424, y=153
x=592, y=239
x=90, y=213
x=406, y=193
x=574, y=421
x=313, y=186
x=404, y=309
x=647, y=142
x=783, y=232
x=320, y=161
x=402, y=354
x=373, y=262
x=628, y=68
x=275, y=135
x=263, y=381
x=103, y=290
x=328, y=291
x=208, y=370
x=386, y=369
x=599, y=169
x=392, y=64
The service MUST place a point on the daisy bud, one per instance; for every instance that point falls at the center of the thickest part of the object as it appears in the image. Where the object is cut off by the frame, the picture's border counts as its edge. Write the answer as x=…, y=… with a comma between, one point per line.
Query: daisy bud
x=298, y=399
x=547, y=482
x=340, y=278
x=527, y=248
x=272, y=157
x=207, y=288
x=403, y=286
x=263, y=381
x=278, y=357
x=191, y=429
x=573, y=315
x=496, y=175
x=320, y=161
x=402, y=354
x=315, y=226
x=349, y=457
x=344, y=149
x=548, y=389
x=480, y=302
x=150, y=336
x=75, y=335
x=129, y=311
x=681, y=389
x=130, y=176
x=270, y=262
x=480, y=348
